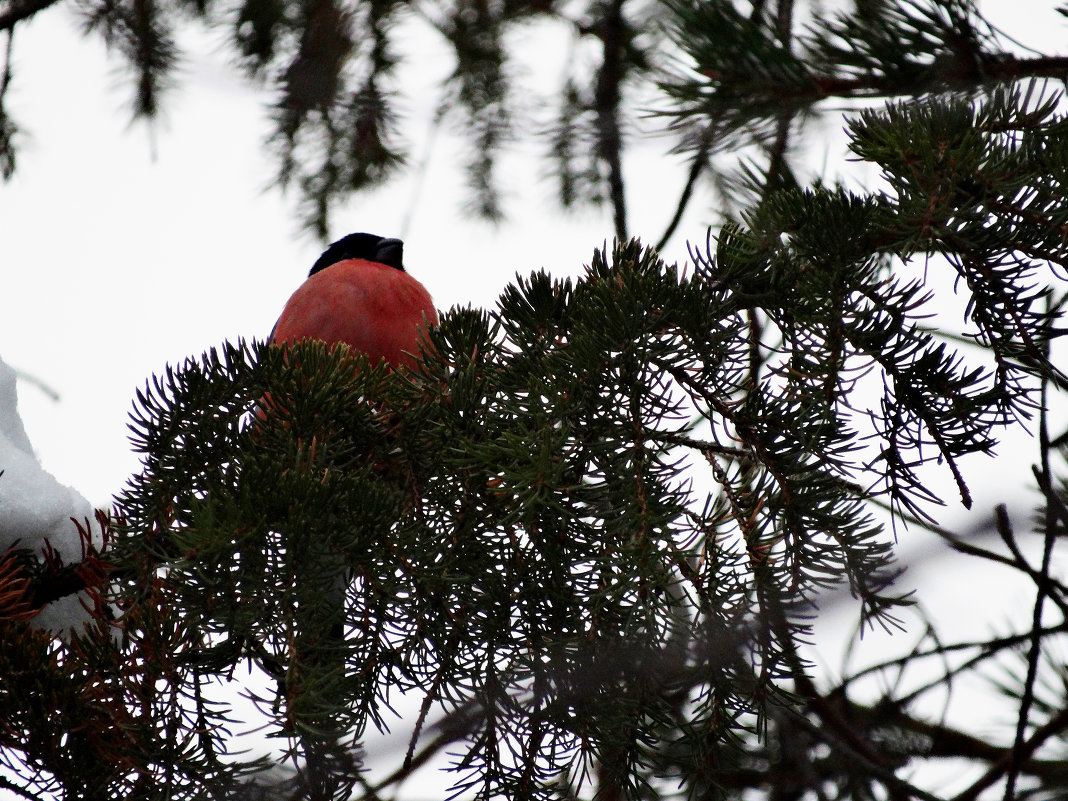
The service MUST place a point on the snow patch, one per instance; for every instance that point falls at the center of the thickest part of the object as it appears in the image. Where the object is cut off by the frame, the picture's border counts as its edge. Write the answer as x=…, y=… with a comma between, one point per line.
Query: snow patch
x=35, y=509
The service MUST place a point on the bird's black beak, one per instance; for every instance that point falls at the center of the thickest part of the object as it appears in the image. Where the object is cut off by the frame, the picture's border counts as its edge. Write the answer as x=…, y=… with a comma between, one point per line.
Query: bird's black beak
x=391, y=252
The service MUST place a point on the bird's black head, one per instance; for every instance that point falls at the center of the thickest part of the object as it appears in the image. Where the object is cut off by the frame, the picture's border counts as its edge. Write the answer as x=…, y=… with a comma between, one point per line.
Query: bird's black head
x=362, y=246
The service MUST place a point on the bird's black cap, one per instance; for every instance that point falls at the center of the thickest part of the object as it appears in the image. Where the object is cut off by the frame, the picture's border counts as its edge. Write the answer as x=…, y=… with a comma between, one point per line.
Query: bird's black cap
x=362, y=246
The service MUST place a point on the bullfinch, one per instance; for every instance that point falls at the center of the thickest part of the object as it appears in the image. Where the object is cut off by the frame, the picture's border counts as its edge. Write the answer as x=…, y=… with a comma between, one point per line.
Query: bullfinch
x=358, y=293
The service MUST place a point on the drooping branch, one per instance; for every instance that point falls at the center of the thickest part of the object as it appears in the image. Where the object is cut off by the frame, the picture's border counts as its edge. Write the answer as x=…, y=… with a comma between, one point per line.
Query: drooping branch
x=607, y=98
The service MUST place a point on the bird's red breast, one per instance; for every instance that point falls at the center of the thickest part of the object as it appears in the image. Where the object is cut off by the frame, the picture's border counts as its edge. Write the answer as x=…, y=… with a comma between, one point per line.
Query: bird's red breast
x=377, y=309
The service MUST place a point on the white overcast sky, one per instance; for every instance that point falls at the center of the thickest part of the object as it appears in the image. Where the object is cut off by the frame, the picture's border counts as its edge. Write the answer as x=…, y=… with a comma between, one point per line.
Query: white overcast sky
x=121, y=252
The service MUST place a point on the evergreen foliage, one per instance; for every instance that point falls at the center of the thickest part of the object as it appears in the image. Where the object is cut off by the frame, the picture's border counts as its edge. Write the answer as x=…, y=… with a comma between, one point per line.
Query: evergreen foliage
x=589, y=534
x=729, y=79
x=531, y=550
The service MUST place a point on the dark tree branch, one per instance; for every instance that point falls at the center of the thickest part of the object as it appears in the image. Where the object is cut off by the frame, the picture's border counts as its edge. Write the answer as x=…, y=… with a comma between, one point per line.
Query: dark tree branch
x=784, y=20
x=607, y=98
x=1053, y=727
x=988, y=648
x=779, y=173
x=19, y=10
x=777, y=166
x=944, y=741
x=8, y=129
x=697, y=166
x=1002, y=68
x=836, y=730
x=1044, y=476
x=5, y=77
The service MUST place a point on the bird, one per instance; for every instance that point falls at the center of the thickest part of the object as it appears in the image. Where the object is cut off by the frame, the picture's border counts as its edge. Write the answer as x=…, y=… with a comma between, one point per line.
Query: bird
x=358, y=292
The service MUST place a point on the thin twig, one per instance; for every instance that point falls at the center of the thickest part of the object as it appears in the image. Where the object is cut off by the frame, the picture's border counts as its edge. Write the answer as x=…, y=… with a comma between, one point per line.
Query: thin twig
x=696, y=168
x=1054, y=726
